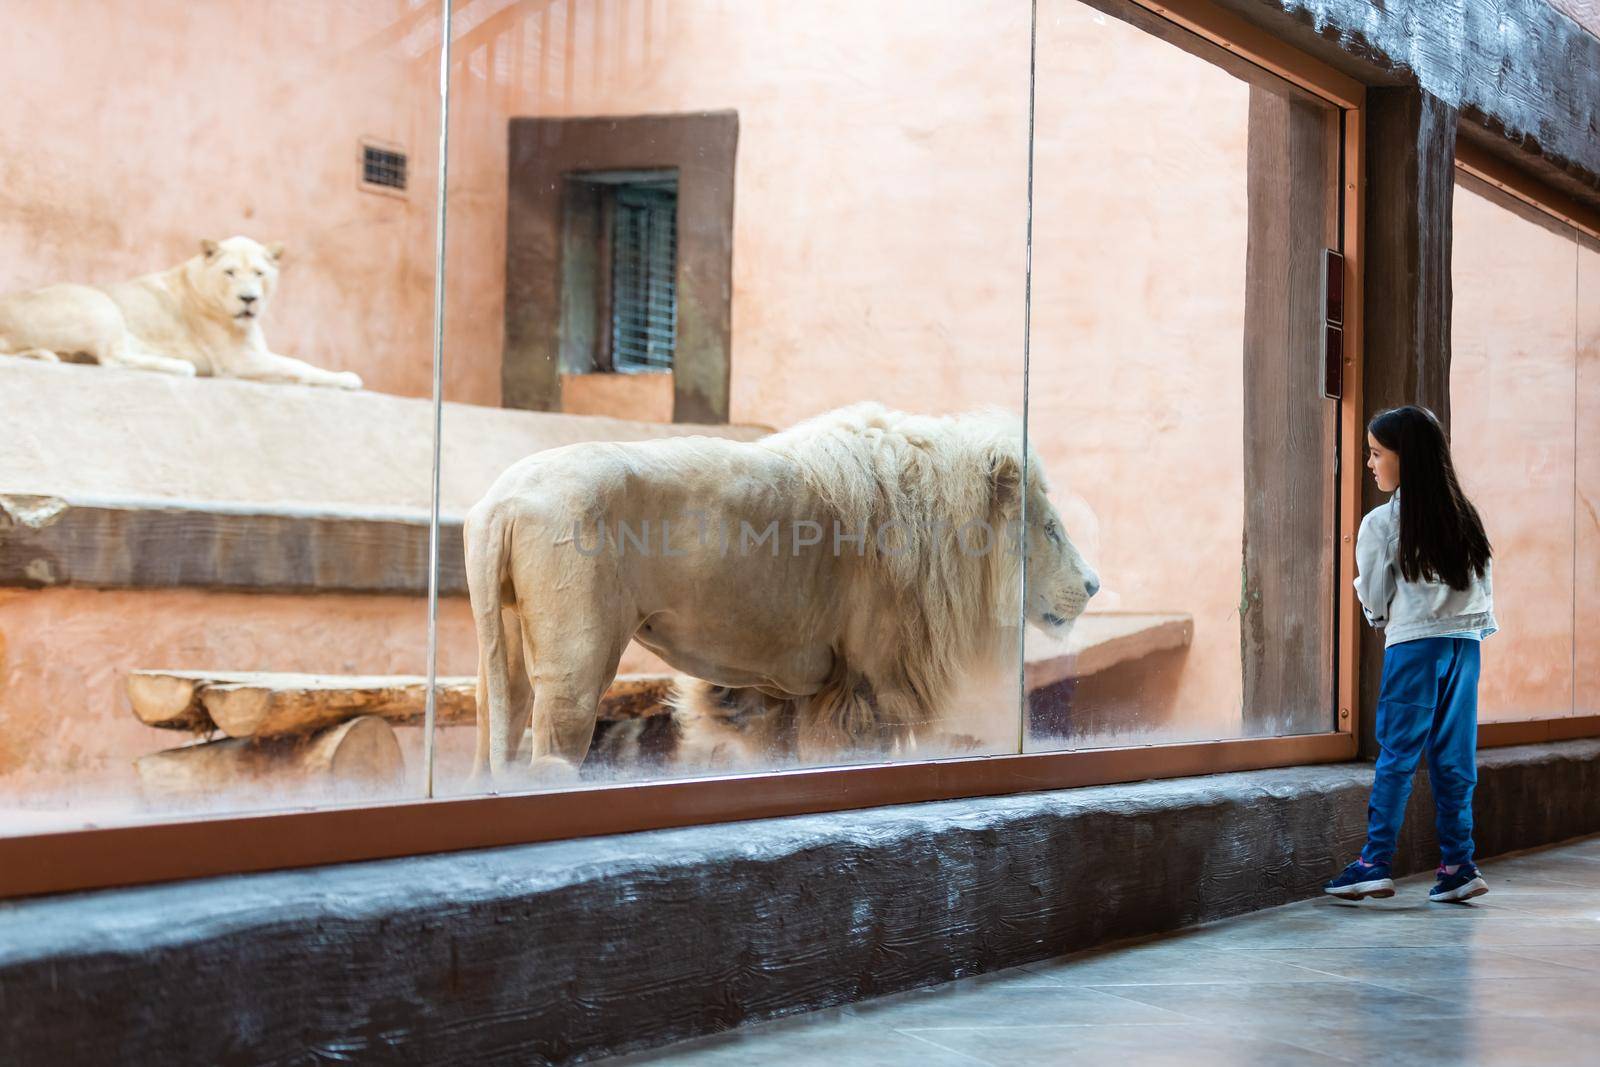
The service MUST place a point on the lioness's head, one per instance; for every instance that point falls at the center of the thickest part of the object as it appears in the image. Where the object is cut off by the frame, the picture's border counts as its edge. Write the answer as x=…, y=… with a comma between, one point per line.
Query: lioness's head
x=236, y=277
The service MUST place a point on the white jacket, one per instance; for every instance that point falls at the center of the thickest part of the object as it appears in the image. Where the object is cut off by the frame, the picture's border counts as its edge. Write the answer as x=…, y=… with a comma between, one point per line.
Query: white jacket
x=1406, y=610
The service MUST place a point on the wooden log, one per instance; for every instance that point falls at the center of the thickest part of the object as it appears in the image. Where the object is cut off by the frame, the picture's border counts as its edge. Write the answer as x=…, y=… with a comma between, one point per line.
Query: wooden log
x=281, y=705
x=170, y=701
x=269, y=704
x=359, y=757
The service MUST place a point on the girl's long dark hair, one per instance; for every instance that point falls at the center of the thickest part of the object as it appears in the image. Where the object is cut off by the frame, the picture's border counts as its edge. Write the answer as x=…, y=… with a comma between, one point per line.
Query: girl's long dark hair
x=1441, y=535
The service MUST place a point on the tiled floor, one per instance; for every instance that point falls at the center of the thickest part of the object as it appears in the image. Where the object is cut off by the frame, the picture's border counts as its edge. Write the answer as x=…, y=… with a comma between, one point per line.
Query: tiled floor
x=1512, y=978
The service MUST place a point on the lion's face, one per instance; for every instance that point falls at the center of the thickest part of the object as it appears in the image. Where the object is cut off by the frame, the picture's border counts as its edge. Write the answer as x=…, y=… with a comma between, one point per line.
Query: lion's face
x=1059, y=581
x=236, y=277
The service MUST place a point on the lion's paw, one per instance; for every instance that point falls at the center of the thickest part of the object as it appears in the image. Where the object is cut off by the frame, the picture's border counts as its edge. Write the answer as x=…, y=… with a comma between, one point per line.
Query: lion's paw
x=552, y=770
x=346, y=380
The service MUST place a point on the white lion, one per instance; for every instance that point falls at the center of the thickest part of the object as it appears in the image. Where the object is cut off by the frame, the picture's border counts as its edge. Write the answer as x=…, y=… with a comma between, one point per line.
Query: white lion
x=200, y=317
x=854, y=568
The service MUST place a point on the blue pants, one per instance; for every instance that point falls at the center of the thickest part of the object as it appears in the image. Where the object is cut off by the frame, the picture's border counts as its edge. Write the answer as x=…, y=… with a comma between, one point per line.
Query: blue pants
x=1429, y=700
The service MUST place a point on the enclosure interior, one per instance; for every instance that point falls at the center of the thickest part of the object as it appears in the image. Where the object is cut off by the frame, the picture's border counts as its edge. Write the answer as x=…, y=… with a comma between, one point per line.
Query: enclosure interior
x=665, y=218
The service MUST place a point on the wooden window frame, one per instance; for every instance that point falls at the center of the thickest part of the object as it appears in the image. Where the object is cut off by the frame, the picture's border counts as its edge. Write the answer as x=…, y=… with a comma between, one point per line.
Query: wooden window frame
x=548, y=159
x=1491, y=169
x=226, y=844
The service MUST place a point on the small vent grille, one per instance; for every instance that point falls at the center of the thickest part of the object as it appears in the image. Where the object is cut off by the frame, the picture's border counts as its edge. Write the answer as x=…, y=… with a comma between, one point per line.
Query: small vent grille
x=644, y=283
x=383, y=167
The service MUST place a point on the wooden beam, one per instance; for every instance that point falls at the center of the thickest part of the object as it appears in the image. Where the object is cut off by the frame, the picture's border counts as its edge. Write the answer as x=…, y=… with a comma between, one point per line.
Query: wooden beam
x=1290, y=430
x=1411, y=143
x=46, y=542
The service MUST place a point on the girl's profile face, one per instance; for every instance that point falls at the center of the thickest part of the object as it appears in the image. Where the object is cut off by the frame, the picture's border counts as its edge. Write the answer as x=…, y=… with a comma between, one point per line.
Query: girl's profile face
x=1384, y=465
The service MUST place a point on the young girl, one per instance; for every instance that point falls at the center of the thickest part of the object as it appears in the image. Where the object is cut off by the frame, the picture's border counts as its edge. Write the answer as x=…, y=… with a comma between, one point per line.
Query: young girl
x=1423, y=578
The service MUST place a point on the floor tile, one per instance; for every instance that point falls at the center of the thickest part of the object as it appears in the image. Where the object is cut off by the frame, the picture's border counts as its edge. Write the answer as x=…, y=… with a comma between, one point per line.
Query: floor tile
x=1173, y=962
x=805, y=1042
x=1483, y=1041
x=1427, y=925
x=1575, y=997
x=1002, y=1004
x=1588, y=849
x=1577, y=870
x=1580, y=957
x=1123, y=1046
x=1336, y=1004
x=1579, y=905
x=1374, y=963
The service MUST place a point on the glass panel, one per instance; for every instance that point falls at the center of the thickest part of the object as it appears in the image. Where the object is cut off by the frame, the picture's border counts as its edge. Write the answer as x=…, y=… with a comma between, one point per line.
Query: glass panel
x=1513, y=345
x=849, y=187
x=264, y=516
x=1586, y=510
x=1183, y=203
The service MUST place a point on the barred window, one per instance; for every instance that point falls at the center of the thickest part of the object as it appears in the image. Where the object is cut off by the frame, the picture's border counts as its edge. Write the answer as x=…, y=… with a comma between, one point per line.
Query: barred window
x=644, y=288
x=383, y=167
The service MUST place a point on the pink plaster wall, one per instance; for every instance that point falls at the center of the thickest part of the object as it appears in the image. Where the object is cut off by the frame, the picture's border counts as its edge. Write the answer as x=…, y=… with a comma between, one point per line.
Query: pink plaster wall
x=646, y=396
x=1514, y=352
x=1586, y=580
x=878, y=243
x=206, y=120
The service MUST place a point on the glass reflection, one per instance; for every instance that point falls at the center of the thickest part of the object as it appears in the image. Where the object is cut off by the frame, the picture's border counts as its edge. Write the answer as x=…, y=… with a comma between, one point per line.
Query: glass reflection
x=1513, y=365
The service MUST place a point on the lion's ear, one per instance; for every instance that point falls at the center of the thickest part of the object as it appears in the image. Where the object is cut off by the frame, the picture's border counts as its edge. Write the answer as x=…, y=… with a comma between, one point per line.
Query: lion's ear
x=208, y=246
x=1005, y=481
x=275, y=250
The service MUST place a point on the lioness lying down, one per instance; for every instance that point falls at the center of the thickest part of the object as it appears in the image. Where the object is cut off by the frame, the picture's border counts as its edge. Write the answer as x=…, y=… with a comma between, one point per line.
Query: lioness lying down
x=201, y=317
x=858, y=568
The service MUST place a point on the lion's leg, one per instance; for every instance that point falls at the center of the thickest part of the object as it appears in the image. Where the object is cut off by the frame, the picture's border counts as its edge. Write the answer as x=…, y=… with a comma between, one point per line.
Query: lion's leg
x=570, y=671
x=271, y=367
x=563, y=728
x=498, y=737
x=479, y=778
x=519, y=655
x=519, y=698
x=43, y=355
x=126, y=351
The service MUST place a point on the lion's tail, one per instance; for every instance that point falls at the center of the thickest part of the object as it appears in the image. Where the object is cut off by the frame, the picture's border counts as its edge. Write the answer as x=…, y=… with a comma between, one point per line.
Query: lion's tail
x=487, y=537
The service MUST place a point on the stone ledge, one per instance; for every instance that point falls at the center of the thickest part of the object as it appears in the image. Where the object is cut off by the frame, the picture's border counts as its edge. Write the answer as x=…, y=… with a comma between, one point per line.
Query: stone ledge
x=551, y=953
x=174, y=545
x=88, y=433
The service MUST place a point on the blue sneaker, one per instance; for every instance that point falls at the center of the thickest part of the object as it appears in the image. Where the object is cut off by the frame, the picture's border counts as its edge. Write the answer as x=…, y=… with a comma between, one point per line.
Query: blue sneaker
x=1361, y=880
x=1465, y=884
